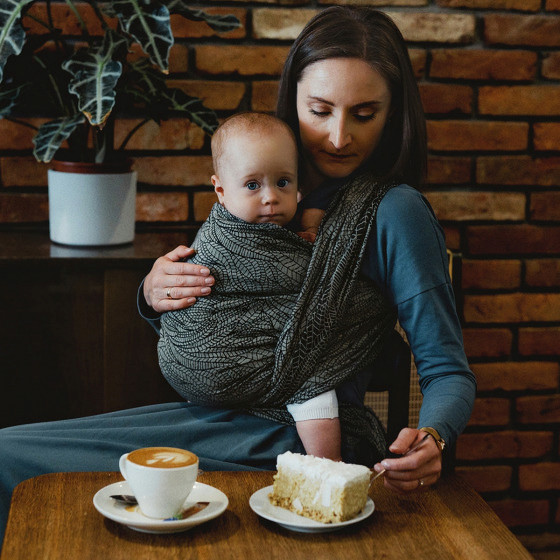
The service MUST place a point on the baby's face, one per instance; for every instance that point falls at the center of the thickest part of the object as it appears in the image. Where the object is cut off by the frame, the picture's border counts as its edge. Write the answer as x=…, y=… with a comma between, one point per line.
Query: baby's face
x=258, y=177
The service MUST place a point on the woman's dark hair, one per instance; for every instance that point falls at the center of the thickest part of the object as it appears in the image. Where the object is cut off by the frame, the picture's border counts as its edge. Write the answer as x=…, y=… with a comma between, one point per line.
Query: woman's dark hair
x=370, y=35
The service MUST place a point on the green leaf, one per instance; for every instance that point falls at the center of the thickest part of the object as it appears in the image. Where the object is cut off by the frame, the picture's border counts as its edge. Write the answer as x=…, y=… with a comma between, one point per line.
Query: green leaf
x=95, y=75
x=192, y=108
x=219, y=23
x=8, y=100
x=12, y=35
x=147, y=86
x=51, y=135
x=149, y=25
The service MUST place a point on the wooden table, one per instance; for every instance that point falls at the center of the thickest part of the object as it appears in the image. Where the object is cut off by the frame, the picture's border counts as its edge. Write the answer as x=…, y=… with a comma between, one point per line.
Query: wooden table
x=53, y=517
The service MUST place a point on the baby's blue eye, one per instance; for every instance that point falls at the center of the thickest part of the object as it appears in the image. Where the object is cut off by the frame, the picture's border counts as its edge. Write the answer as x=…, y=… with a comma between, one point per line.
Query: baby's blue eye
x=283, y=183
x=252, y=185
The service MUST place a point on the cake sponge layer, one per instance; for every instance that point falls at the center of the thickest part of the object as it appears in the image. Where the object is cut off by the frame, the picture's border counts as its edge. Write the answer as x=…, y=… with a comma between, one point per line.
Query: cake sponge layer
x=320, y=489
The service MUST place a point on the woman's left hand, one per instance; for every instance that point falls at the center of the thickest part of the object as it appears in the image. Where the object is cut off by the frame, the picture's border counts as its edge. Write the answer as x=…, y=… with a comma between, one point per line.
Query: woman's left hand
x=418, y=469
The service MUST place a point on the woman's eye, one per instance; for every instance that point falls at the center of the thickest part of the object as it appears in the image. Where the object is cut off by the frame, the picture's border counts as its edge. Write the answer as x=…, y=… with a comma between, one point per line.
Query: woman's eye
x=283, y=183
x=364, y=117
x=252, y=185
x=318, y=113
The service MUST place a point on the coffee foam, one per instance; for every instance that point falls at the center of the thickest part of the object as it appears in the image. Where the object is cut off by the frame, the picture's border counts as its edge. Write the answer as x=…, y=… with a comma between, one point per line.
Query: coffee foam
x=162, y=457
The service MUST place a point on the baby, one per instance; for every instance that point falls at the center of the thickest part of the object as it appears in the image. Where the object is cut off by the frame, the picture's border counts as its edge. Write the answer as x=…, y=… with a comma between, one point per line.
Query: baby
x=256, y=180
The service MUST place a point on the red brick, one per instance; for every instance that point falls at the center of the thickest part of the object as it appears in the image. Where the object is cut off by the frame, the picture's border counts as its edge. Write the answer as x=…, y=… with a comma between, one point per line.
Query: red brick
x=519, y=100
x=478, y=64
x=522, y=30
x=176, y=171
x=491, y=274
x=455, y=135
x=23, y=208
x=523, y=5
x=517, y=376
x=452, y=237
x=418, y=59
x=516, y=513
x=503, y=445
x=162, y=207
x=203, y=202
x=462, y=206
x=63, y=19
x=543, y=273
x=448, y=170
x=435, y=27
x=178, y=58
x=490, y=412
x=538, y=409
x=22, y=172
x=173, y=134
x=243, y=60
x=514, y=239
x=217, y=95
x=518, y=170
x=487, y=343
x=546, y=136
x=14, y=136
x=551, y=65
x=280, y=23
x=265, y=96
x=553, y=6
x=545, y=206
x=445, y=98
x=489, y=478
x=512, y=308
x=539, y=341
x=185, y=28
x=541, y=476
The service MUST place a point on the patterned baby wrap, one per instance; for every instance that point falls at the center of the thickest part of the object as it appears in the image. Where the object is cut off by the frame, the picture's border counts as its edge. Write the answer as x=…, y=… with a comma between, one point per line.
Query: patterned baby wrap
x=286, y=320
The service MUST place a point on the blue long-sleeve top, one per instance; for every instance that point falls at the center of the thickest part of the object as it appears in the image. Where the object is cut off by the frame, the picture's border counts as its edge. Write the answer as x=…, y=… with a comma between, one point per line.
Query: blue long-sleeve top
x=407, y=259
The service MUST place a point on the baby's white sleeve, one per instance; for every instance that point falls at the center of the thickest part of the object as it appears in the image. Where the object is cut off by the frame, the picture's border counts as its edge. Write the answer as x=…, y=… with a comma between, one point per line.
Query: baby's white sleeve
x=324, y=405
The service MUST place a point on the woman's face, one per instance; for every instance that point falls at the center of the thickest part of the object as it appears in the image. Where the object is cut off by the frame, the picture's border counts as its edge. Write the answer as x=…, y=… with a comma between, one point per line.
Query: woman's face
x=342, y=106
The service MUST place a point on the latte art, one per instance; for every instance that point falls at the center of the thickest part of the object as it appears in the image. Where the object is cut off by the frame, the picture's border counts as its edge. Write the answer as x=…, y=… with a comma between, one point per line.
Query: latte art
x=162, y=457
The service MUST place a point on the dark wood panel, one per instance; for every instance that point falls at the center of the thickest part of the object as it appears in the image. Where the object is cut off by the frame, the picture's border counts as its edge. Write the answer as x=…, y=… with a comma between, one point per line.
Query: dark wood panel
x=71, y=340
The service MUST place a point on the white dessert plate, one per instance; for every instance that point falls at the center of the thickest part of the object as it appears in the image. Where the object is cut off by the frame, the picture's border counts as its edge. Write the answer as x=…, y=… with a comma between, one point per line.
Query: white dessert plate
x=261, y=505
x=132, y=517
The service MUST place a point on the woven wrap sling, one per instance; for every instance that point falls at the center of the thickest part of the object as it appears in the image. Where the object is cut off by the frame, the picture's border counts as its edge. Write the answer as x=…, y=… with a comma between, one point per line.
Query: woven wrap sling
x=287, y=320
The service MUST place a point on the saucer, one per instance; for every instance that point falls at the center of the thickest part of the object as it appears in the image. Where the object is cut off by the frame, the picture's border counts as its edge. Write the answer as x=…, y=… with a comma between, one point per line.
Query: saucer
x=132, y=517
x=261, y=505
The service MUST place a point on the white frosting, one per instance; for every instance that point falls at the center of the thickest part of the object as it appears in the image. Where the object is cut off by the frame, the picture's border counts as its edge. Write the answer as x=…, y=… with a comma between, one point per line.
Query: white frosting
x=329, y=475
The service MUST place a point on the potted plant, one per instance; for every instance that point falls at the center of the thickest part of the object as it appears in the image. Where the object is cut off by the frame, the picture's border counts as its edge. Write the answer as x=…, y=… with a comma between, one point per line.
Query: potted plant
x=81, y=83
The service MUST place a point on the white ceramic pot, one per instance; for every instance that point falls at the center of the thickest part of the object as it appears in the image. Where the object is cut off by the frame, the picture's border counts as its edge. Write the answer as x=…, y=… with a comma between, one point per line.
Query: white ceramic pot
x=91, y=208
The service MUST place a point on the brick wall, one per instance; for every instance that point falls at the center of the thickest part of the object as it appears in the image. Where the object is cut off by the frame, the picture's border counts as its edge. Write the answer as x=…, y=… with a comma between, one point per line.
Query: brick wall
x=489, y=75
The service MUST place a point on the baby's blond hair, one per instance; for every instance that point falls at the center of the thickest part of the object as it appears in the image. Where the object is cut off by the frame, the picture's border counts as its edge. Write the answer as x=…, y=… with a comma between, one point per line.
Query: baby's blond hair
x=250, y=122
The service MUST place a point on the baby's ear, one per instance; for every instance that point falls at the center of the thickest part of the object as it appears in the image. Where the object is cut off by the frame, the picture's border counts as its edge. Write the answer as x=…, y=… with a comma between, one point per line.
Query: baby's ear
x=218, y=189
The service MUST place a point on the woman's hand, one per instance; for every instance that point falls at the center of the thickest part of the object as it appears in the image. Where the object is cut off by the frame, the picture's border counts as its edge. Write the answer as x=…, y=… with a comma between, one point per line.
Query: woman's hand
x=173, y=284
x=417, y=469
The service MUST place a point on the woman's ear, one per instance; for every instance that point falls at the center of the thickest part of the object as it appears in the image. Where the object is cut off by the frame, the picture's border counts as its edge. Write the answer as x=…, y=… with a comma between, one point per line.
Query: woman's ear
x=218, y=189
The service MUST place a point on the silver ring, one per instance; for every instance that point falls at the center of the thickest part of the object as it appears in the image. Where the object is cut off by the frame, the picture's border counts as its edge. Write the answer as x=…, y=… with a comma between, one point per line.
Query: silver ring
x=420, y=482
x=168, y=293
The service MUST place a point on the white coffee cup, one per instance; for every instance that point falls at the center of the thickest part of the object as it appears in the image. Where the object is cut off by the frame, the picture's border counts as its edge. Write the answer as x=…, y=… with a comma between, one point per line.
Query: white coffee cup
x=161, y=478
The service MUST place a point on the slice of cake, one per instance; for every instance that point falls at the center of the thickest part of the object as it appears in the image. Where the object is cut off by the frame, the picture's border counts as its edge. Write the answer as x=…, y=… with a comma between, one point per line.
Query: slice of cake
x=321, y=489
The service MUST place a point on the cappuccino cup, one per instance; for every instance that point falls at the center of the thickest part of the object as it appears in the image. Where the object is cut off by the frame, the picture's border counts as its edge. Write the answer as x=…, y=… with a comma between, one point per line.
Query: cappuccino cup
x=161, y=478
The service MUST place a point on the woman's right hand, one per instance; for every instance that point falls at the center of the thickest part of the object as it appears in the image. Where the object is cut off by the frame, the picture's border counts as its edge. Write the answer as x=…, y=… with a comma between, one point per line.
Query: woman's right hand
x=173, y=284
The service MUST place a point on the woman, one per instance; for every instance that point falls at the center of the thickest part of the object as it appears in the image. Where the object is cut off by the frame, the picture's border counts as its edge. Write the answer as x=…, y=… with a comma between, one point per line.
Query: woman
x=349, y=94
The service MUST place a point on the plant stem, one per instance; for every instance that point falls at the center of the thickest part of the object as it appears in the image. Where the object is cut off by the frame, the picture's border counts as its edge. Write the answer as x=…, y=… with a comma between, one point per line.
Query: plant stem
x=22, y=123
x=131, y=134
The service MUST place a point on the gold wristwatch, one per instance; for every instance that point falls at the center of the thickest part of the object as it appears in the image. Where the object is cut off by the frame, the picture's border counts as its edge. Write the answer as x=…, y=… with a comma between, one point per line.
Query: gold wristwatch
x=437, y=438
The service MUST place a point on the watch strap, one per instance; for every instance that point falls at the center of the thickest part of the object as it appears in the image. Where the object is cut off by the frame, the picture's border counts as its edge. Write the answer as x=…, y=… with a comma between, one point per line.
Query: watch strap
x=437, y=438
